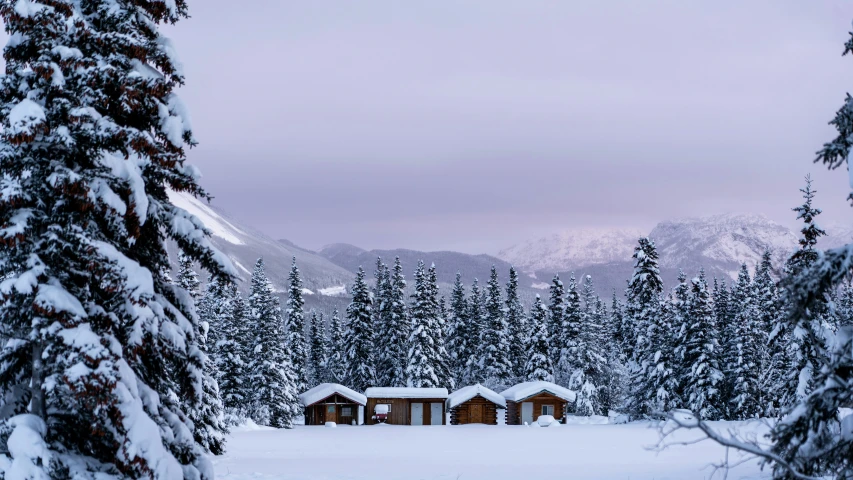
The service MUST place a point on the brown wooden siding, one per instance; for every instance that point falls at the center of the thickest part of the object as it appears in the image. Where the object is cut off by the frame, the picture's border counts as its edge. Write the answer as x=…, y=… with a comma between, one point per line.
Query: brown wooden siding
x=467, y=412
x=514, y=408
x=318, y=413
x=401, y=410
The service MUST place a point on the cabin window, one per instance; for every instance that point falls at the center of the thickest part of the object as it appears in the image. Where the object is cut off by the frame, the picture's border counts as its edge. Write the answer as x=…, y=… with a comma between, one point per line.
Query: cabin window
x=389, y=406
x=346, y=411
x=548, y=410
x=330, y=409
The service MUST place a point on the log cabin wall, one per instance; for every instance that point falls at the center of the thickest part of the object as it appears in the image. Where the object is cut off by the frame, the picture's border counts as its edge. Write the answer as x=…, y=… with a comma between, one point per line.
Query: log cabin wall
x=544, y=398
x=488, y=412
x=317, y=413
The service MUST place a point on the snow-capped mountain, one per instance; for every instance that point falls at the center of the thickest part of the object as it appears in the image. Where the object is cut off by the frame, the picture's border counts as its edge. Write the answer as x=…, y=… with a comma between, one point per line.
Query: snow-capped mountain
x=721, y=242
x=324, y=282
x=718, y=243
x=573, y=249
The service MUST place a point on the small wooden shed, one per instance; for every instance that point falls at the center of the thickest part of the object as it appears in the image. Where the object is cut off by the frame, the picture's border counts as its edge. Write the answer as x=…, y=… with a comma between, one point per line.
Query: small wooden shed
x=526, y=401
x=332, y=402
x=407, y=406
x=475, y=404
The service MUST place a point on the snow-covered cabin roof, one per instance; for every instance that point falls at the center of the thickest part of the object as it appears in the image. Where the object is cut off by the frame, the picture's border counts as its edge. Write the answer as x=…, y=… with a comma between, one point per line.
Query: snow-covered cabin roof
x=467, y=393
x=405, y=392
x=528, y=389
x=326, y=390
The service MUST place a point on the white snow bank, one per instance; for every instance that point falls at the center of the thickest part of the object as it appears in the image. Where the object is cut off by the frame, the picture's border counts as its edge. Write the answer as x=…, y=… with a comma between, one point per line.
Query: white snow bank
x=591, y=420
x=334, y=291
x=331, y=425
x=307, y=291
x=547, y=421
x=326, y=390
x=467, y=393
x=217, y=225
x=398, y=452
x=528, y=389
x=405, y=392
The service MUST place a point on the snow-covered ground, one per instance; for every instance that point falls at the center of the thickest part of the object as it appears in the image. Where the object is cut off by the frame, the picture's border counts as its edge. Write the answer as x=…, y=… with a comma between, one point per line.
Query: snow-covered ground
x=474, y=452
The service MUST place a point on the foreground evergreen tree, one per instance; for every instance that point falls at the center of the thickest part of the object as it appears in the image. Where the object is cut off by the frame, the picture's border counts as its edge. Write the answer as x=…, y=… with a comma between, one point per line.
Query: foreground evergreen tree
x=270, y=371
x=98, y=346
x=538, y=366
x=318, y=350
x=295, y=321
x=359, y=358
x=807, y=335
x=517, y=325
x=494, y=338
x=335, y=365
x=460, y=343
x=421, y=366
x=698, y=355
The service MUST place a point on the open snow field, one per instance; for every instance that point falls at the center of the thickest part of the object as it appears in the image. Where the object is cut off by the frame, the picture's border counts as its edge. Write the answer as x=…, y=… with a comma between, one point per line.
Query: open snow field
x=473, y=452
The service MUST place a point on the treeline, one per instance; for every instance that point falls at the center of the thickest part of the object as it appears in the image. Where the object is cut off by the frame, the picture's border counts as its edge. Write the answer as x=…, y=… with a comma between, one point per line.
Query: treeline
x=716, y=349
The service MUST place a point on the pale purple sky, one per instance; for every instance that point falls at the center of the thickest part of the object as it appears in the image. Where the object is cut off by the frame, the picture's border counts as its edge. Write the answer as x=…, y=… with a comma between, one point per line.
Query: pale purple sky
x=472, y=125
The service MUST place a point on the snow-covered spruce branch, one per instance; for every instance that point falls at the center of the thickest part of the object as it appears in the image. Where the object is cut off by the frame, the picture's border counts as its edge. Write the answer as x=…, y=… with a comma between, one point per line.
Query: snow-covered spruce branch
x=732, y=441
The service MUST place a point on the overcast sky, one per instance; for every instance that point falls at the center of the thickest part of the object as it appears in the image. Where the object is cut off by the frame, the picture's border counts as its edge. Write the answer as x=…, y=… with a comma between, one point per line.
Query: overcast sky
x=472, y=125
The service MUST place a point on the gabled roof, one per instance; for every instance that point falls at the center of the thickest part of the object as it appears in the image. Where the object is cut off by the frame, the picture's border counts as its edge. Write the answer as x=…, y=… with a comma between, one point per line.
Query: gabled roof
x=467, y=393
x=405, y=392
x=525, y=390
x=326, y=390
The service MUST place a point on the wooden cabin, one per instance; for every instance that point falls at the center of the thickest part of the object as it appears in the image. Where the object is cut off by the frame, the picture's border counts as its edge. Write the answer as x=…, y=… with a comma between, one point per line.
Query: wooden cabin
x=475, y=404
x=332, y=402
x=526, y=401
x=406, y=406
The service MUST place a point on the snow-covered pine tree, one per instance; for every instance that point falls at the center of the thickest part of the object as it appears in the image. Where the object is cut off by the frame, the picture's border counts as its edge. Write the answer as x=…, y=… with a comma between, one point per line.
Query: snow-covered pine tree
x=421, y=368
x=442, y=358
x=742, y=358
x=494, y=338
x=459, y=341
x=270, y=371
x=654, y=385
x=295, y=322
x=208, y=420
x=231, y=332
x=359, y=356
x=570, y=330
x=590, y=372
x=187, y=277
x=539, y=366
x=773, y=349
x=517, y=323
x=318, y=349
x=383, y=322
x=698, y=354
x=394, y=337
x=643, y=302
x=473, y=372
x=617, y=324
x=99, y=346
x=807, y=337
x=556, y=307
x=336, y=363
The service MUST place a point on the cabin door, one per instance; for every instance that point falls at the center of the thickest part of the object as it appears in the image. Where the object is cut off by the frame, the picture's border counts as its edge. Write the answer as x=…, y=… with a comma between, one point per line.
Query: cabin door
x=527, y=413
x=435, y=414
x=417, y=414
x=331, y=413
x=476, y=413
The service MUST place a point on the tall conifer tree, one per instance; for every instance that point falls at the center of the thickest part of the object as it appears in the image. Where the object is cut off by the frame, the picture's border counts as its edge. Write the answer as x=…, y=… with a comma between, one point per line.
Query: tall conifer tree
x=295, y=321
x=421, y=369
x=517, y=324
x=93, y=136
x=538, y=366
x=494, y=338
x=359, y=356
